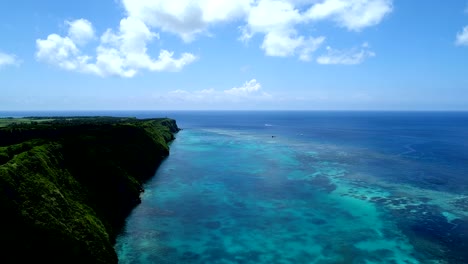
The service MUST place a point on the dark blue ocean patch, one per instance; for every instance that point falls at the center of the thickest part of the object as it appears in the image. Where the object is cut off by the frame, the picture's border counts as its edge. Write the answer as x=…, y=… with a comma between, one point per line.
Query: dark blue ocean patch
x=344, y=191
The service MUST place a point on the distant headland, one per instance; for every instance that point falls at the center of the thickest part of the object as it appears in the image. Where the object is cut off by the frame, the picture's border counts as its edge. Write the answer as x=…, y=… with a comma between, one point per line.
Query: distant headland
x=68, y=183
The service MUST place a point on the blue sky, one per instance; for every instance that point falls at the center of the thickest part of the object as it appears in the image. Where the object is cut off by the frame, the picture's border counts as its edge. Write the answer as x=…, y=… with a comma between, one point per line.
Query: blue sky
x=226, y=54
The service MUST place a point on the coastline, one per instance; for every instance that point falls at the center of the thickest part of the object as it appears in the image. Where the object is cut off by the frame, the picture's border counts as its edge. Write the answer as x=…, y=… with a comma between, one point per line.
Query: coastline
x=67, y=184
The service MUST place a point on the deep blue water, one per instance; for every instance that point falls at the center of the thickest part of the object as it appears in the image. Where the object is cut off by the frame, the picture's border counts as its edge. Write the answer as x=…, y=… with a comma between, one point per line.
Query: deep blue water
x=304, y=187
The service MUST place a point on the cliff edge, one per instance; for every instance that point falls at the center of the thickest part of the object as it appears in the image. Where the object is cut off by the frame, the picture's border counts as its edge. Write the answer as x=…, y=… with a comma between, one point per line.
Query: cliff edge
x=67, y=184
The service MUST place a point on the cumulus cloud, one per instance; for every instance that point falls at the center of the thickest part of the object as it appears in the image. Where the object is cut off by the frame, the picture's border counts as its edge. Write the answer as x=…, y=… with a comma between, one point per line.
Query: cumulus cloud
x=280, y=36
x=346, y=57
x=122, y=53
x=276, y=20
x=283, y=44
x=351, y=14
x=8, y=59
x=185, y=18
x=62, y=51
x=462, y=37
x=80, y=31
x=249, y=91
x=248, y=88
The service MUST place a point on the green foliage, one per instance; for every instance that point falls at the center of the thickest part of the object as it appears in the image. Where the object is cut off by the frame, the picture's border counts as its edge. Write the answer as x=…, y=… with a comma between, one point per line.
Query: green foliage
x=70, y=184
x=4, y=157
x=4, y=122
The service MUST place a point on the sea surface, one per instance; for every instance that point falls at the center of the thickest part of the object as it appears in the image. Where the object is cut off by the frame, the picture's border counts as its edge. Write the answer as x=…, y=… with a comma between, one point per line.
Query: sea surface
x=304, y=187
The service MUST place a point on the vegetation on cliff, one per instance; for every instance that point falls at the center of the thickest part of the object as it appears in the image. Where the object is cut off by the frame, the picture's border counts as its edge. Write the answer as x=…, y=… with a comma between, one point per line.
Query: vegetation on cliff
x=67, y=184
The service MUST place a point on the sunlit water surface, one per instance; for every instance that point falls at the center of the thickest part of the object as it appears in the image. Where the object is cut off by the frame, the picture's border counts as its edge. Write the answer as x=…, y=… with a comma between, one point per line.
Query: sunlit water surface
x=305, y=187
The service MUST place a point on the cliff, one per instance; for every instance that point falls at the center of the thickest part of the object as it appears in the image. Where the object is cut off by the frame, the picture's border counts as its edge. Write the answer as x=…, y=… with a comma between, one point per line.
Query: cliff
x=67, y=184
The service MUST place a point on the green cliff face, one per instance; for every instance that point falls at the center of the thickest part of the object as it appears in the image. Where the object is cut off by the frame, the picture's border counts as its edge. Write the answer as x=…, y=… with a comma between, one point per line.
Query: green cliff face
x=67, y=184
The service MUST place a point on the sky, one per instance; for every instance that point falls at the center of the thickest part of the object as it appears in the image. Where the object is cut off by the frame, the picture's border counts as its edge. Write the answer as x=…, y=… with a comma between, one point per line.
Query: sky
x=233, y=55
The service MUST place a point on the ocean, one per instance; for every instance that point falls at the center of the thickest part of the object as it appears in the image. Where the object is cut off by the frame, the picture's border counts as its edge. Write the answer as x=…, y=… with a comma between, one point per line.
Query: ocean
x=303, y=187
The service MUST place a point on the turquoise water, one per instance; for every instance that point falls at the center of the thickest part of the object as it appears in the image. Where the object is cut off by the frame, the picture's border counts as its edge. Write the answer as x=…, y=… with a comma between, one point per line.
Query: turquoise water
x=304, y=187
x=239, y=195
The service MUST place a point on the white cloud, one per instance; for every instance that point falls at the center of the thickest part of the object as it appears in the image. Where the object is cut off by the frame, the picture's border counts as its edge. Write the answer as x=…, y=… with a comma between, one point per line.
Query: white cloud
x=80, y=31
x=273, y=15
x=282, y=44
x=63, y=52
x=346, y=57
x=309, y=46
x=250, y=91
x=281, y=38
x=121, y=53
x=8, y=59
x=185, y=18
x=276, y=20
x=351, y=14
x=248, y=88
x=124, y=52
x=462, y=37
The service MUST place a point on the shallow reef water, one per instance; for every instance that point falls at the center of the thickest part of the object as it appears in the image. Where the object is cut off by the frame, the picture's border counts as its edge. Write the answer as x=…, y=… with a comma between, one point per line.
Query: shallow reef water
x=229, y=195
